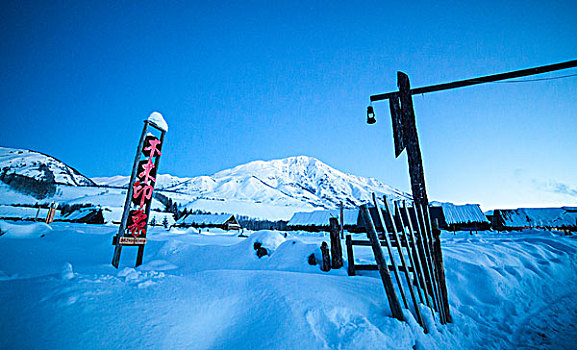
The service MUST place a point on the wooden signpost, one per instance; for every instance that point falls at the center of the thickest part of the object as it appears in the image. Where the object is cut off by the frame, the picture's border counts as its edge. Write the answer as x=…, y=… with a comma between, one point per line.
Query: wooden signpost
x=134, y=224
x=51, y=212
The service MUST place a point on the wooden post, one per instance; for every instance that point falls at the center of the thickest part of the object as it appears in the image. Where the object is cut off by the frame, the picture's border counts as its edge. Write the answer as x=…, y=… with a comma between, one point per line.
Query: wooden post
x=390, y=250
x=350, y=256
x=416, y=262
x=336, y=247
x=411, y=140
x=432, y=280
x=382, y=264
x=404, y=264
x=326, y=266
x=441, y=271
x=425, y=258
x=424, y=212
x=342, y=221
x=411, y=252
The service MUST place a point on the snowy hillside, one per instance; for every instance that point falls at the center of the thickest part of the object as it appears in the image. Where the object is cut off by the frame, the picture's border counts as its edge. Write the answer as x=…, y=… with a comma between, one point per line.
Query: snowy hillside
x=162, y=181
x=262, y=189
x=40, y=167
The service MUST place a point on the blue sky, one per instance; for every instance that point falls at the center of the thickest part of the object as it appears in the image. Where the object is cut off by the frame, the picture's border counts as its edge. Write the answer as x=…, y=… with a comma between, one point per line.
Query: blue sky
x=246, y=80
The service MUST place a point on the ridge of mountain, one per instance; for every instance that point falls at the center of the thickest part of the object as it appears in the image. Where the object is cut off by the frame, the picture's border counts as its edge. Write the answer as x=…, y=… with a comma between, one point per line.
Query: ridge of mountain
x=284, y=181
x=41, y=167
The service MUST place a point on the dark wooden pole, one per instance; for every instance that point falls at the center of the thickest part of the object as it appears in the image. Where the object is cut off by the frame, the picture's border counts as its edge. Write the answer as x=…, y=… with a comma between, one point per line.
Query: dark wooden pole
x=412, y=141
x=336, y=247
x=326, y=266
x=342, y=220
x=350, y=256
x=394, y=303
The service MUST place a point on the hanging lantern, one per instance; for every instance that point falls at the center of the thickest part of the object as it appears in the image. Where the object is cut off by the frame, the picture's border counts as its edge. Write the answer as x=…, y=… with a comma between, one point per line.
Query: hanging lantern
x=371, y=115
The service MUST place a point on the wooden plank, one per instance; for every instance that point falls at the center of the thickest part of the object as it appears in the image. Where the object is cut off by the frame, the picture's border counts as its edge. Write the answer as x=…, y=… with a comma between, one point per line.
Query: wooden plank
x=336, y=248
x=373, y=267
x=384, y=272
x=425, y=264
x=429, y=259
x=383, y=243
x=413, y=255
x=390, y=250
x=398, y=130
x=406, y=272
x=429, y=235
x=438, y=253
x=350, y=256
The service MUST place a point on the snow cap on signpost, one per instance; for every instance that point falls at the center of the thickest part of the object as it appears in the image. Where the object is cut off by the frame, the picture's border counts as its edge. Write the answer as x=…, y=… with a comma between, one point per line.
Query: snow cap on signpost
x=157, y=120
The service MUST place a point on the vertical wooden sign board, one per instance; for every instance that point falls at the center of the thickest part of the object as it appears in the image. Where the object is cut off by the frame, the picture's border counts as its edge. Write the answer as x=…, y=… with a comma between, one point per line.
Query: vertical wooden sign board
x=134, y=224
x=406, y=137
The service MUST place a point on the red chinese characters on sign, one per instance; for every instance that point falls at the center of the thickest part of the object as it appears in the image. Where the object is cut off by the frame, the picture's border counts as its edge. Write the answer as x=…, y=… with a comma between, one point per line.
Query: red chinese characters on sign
x=146, y=171
x=142, y=193
x=143, y=187
x=137, y=223
x=152, y=147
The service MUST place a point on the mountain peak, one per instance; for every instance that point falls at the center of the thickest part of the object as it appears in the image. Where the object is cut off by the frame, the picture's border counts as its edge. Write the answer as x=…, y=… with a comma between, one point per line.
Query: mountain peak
x=291, y=181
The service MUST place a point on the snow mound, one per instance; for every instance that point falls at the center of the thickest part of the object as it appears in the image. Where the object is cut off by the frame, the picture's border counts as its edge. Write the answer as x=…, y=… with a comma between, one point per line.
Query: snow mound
x=269, y=240
x=157, y=119
x=67, y=272
x=35, y=230
x=179, y=231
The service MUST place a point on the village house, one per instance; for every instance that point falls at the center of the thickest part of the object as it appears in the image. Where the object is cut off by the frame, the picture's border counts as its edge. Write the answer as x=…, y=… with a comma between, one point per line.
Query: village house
x=467, y=217
x=223, y=221
x=560, y=219
x=318, y=220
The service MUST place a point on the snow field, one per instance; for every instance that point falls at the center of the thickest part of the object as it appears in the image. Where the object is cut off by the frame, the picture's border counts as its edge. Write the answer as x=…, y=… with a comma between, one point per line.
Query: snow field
x=199, y=291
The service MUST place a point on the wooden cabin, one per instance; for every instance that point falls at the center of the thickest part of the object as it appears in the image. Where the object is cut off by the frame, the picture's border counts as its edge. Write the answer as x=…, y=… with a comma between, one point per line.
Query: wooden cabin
x=467, y=217
x=560, y=219
x=223, y=221
x=318, y=220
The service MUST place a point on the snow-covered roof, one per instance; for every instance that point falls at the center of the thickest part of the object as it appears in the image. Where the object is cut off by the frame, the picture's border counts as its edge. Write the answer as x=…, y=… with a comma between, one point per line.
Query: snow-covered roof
x=321, y=217
x=157, y=119
x=538, y=217
x=78, y=214
x=204, y=219
x=7, y=212
x=462, y=214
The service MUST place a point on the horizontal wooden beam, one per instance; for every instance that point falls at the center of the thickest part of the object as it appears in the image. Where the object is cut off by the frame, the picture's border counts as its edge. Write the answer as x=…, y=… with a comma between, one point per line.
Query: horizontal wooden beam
x=481, y=80
x=374, y=267
x=383, y=243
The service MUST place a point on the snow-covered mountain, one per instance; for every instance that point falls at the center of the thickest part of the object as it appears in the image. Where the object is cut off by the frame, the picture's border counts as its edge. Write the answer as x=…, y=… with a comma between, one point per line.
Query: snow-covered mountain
x=293, y=181
x=162, y=181
x=272, y=189
x=40, y=167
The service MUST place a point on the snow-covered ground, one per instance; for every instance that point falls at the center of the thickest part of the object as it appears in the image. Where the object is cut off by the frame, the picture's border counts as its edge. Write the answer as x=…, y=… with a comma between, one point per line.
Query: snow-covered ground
x=195, y=291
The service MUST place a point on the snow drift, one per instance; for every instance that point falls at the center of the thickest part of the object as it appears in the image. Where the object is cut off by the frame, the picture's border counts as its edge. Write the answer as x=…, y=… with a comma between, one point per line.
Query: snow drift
x=214, y=292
